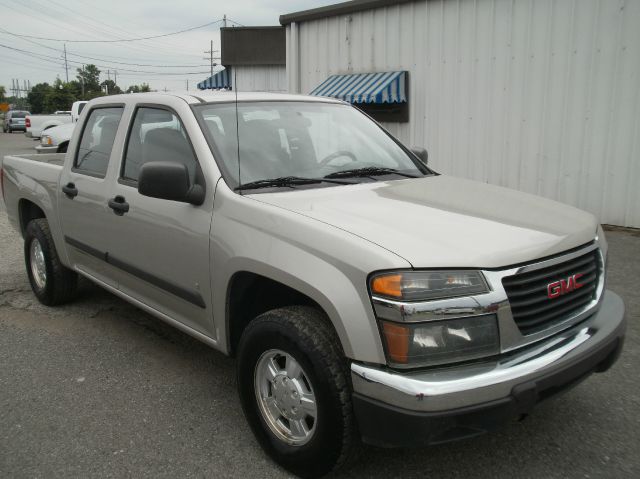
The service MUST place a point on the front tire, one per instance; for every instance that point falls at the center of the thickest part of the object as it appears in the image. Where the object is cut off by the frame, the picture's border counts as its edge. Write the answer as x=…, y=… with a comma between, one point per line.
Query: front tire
x=295, y=390
x=50, y=280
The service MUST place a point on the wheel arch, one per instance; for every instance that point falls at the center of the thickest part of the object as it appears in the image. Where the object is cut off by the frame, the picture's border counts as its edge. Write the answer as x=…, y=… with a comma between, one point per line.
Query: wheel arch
x=250, y=294
x=27, y=211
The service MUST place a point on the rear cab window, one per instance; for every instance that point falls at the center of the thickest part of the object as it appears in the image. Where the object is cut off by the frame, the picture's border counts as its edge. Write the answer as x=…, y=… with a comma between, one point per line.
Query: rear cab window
x=96, y=143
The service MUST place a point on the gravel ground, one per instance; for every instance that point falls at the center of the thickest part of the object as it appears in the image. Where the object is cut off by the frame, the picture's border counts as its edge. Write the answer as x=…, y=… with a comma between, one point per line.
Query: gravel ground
x=98, y=388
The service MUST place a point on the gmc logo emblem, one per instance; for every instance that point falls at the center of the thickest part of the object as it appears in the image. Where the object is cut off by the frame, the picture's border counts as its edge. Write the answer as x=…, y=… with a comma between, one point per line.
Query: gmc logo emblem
x=558, y=288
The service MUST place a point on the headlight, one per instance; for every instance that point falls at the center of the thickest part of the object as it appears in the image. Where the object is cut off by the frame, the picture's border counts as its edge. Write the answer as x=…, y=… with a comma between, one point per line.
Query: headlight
x=46, y=140
x=428, y=285
x=440, y=342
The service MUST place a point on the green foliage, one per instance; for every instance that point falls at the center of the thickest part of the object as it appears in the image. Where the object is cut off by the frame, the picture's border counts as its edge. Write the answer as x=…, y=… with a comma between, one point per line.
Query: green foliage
x=111, y=87
x=37, y=97
x=143, y=88
x=60, y=97
x=89, y=76
x=46, y=98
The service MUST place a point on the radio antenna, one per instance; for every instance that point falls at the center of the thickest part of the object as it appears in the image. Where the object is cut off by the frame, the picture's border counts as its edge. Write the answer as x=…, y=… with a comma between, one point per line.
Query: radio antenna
x=235, y=89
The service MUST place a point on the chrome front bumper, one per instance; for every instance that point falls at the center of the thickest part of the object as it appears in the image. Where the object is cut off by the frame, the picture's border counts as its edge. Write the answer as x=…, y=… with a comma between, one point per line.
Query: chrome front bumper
x=446, y=389
x=47, y=149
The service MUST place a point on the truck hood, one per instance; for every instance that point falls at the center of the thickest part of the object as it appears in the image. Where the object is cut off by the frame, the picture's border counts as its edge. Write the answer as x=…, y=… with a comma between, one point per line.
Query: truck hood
x=441, y=221
x=60, y=133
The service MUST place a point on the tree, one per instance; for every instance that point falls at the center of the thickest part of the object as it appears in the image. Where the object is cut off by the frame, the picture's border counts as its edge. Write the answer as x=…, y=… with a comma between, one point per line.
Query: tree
x=89, y=78
x=143, y=88
x=112, y=88
x=37, y=97
x=3, y=92
x=60, y=97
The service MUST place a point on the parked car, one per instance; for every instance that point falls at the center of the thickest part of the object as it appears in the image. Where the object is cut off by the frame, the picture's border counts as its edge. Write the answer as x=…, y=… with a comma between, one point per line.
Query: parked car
x=56, y=139
x=365, y=296
x=36, y=124
x=14, y=120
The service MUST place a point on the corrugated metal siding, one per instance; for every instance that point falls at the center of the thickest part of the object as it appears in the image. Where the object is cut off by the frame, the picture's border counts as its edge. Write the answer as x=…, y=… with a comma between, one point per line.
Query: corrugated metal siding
x=271, y=78
x=538, y=95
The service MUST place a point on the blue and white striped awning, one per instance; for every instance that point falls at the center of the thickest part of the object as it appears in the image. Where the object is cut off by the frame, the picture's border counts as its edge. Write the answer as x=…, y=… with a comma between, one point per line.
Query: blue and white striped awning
x=384, y=87
x=222, y=79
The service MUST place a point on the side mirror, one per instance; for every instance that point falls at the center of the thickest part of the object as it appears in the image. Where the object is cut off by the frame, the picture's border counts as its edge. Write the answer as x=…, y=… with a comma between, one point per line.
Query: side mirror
x=168, y=181
x=420, y=153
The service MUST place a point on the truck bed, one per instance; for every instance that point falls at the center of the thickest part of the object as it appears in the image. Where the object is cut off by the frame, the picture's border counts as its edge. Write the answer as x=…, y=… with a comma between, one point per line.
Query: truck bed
x=32, y=177
x=51, y=158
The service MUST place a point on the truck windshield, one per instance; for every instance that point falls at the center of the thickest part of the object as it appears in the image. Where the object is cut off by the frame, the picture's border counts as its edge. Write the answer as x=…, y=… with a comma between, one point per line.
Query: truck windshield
x=302, y=140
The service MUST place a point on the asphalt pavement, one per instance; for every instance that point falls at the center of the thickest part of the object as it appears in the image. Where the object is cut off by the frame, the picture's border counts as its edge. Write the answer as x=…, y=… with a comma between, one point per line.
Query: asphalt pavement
x=98, y=388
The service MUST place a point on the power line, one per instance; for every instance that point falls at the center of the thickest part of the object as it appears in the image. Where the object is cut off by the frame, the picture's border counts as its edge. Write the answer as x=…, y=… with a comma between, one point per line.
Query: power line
x=49, y=58
x=148, y=46
x=115, y=41
x=237, y=23
x=137, y=64
x=2, y=30
x=119, y=31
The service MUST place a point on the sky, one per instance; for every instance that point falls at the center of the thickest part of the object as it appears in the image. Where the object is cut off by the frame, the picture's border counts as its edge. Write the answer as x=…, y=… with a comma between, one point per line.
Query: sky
x=168, y=62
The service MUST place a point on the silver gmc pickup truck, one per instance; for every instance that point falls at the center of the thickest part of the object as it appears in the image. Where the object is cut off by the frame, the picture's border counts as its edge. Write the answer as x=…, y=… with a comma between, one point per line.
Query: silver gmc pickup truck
x=365, y=296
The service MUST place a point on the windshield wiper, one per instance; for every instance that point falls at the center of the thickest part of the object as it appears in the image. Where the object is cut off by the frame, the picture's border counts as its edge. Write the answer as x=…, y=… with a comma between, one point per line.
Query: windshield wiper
x=368, y=171
x=287, y=181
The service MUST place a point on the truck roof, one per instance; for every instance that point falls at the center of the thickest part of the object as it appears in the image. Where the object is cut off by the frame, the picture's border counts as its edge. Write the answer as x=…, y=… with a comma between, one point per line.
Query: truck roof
x=212, y=96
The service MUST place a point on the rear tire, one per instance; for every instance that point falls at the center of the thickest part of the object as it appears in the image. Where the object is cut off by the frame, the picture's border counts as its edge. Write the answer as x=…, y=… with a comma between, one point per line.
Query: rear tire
x=300, y=336
x=50, y=280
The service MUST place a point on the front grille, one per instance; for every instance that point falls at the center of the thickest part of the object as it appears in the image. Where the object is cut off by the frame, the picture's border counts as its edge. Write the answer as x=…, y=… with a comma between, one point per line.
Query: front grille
x=531, y=307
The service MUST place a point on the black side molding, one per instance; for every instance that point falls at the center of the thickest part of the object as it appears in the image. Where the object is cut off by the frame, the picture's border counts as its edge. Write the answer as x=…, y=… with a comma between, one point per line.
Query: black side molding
x=86, y=248
x=190, y=296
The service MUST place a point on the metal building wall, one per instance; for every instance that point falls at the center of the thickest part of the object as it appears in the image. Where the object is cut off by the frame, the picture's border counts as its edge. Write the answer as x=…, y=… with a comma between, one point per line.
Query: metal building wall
x=271, y=78
x=538, y=95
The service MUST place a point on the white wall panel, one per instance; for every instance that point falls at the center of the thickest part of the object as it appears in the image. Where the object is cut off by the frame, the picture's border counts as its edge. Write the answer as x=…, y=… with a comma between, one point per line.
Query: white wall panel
x=271, y=78
x=537, y=95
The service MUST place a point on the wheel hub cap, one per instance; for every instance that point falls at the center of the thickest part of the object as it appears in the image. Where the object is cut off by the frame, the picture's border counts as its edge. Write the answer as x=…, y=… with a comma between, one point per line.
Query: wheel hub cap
x=38, y=267
x=285, y=397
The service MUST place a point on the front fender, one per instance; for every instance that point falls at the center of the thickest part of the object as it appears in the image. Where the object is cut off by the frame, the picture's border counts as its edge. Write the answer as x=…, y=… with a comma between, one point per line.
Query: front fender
x=325, y=263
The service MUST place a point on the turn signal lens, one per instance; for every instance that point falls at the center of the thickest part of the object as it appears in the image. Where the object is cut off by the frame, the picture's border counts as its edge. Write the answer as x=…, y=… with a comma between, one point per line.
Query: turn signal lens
x=387, y=285
x=428, y=285
x=397, y=339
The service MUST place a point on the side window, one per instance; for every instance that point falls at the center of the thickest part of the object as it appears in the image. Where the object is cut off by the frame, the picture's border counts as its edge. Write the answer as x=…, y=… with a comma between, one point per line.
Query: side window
x=157, y=135
x=97, y=140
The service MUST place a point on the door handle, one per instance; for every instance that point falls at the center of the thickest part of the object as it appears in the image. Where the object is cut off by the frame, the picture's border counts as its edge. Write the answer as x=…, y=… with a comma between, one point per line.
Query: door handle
x=119, y=205
x=70, y=190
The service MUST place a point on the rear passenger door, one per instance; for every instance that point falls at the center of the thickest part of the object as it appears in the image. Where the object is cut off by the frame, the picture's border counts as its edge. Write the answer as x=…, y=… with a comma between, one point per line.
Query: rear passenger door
x=84, y=191
x=161, y=247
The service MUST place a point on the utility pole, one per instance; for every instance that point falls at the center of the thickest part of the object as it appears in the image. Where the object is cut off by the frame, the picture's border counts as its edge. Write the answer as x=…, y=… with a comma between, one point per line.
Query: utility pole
x=211, y=51
x=66, y=65
x=115, y=78
x=82, y=81
x=109, y=75
x=224, y=20
x=187, y=85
